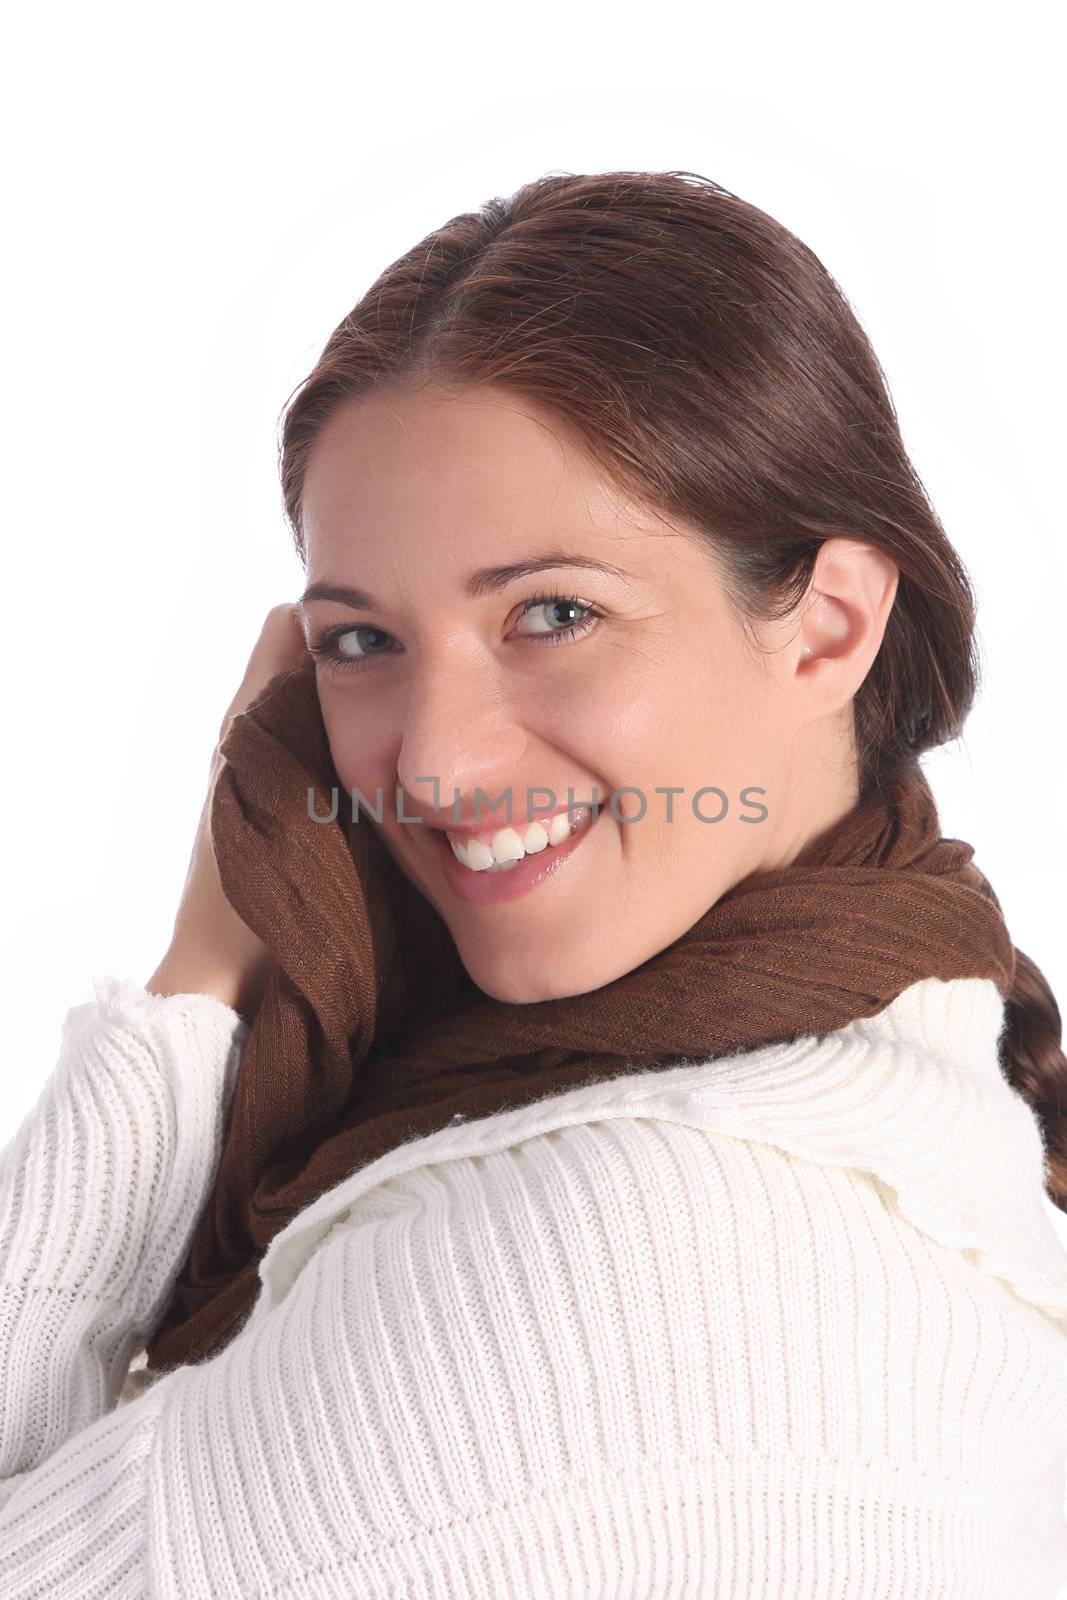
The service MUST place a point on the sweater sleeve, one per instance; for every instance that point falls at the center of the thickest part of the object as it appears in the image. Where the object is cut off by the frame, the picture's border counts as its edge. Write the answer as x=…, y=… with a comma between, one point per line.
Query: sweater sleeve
x=454, y=1396
x=100, y=1188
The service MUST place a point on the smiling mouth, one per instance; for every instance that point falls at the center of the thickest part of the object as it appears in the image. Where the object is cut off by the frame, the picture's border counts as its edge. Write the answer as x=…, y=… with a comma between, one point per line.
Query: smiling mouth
x=504, y=880
x=504, y=848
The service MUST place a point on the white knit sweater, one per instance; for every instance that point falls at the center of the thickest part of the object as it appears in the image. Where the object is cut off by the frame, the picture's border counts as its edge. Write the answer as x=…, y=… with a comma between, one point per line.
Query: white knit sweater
x=789, y=1324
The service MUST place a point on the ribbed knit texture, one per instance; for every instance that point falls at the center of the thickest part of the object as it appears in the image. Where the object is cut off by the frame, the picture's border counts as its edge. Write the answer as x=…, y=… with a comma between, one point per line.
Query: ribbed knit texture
x=791, y=1323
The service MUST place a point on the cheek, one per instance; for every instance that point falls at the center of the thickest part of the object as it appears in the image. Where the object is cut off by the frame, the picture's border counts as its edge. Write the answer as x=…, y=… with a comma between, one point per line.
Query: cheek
x=362, y=742
x=686, y=721
x=654, y=715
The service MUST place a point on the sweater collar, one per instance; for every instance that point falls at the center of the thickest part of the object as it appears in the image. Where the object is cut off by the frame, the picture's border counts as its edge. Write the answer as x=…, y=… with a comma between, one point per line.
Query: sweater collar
x=916, y=1096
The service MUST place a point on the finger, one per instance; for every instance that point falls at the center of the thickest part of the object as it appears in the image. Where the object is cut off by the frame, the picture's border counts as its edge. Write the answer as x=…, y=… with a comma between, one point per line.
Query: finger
x=280, y=645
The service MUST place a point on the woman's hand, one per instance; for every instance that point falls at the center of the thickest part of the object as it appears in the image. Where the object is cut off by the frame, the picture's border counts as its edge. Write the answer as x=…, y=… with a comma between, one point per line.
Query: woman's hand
x=212, y=951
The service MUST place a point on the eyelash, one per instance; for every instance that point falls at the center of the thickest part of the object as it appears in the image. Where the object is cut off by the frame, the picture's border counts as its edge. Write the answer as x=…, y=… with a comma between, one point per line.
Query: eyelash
x=324, y=646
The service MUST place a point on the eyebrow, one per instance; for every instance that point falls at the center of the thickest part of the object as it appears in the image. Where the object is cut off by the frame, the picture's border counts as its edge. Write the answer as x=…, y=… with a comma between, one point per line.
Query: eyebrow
x=486, y=580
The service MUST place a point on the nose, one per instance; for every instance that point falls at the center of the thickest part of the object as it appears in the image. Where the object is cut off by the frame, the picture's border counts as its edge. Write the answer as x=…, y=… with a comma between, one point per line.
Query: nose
x=461, y=729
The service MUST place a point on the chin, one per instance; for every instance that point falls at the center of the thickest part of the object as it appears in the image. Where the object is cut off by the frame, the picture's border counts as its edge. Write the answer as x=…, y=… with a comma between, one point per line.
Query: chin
x=518, y=983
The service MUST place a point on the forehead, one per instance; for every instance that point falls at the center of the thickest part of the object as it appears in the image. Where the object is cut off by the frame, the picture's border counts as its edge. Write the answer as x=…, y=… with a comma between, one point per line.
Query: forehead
x=471, y=468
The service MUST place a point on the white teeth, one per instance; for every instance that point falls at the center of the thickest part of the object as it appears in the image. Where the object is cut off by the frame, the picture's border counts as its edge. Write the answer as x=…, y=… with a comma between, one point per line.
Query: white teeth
x=559, y=828
x=508, y=846
x=479, y=855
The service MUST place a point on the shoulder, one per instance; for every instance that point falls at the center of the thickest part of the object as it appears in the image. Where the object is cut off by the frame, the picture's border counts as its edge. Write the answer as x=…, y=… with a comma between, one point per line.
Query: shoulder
x=611, y=1306
x=896, y=1135
x=640, y=1234
x=633, y=1234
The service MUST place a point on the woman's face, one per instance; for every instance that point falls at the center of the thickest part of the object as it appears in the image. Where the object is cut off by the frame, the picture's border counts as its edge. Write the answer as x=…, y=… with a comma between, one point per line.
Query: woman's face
x=526, y=632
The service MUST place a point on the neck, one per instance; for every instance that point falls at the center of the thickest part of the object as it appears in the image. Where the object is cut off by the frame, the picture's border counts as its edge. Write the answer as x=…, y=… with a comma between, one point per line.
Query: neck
x=822, y=790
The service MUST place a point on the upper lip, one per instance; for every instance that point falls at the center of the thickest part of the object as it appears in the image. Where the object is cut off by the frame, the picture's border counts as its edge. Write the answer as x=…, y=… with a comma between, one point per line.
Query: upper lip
x=491, y=824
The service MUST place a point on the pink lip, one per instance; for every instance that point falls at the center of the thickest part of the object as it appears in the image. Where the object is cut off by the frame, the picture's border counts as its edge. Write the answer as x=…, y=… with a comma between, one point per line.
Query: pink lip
x=484, y=888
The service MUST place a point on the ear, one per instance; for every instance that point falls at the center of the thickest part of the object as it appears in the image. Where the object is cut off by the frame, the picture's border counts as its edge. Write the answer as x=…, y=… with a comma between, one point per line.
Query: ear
x=844, y=616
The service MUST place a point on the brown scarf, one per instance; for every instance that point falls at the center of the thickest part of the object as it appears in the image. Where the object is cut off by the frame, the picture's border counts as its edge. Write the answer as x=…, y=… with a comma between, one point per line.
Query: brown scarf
x=371, y=1033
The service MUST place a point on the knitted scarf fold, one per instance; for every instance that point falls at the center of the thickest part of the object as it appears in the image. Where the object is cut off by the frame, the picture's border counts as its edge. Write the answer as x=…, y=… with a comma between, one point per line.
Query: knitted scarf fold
x=371, y=1033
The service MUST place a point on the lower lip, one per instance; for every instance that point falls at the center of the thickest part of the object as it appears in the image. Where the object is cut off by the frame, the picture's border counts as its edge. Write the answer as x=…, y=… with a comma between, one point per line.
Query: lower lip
x=484, y=888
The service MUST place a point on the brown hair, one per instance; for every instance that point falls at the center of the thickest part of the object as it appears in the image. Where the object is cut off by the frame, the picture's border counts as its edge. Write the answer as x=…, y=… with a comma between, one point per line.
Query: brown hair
x=708, y=362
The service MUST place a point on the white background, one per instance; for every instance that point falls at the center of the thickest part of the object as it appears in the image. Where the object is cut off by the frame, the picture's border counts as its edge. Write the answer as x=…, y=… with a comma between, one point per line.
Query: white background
x=194, y=197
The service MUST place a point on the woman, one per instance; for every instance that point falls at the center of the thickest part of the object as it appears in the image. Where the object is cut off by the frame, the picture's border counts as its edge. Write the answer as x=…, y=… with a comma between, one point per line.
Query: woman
x=616, y=1168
